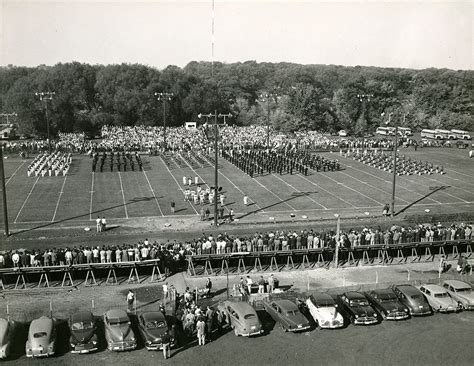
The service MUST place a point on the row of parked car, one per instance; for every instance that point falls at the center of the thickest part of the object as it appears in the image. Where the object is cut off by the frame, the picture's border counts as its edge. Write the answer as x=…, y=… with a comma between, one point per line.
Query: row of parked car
x=119, y=334
x=396, y=303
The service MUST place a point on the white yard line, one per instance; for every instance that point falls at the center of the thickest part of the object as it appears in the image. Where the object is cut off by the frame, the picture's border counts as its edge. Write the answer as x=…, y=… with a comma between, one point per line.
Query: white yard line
x=317, y=185
x=256, y=205
x=92, y=194
x=59, y=198
x=123, y=196
x=389, y=181
x=286, y=203
x=14, y=173
x=370, y=185
x=177, y=183
x=355, y=190
x=289, y=185
x=26, y=199
x=152, y=191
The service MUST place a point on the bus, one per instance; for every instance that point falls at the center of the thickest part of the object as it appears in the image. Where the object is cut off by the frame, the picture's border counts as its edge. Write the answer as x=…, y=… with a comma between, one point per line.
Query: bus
x=405, y=131
x=461, y=134
x=445, y=134
x=429, y=134
x=385, y=131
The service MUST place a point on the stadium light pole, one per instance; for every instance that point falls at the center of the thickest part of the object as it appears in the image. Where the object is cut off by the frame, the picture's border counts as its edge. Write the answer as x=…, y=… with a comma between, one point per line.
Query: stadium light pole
x=265, y=97
x=4, y=192
x=338, y=233
x=216, y=155
x=44, y=97
x=164, y=97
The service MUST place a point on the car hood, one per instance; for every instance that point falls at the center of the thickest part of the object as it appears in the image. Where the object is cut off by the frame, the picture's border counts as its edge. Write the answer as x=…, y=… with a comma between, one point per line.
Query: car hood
x=152, y=334
x=392, y=306
x=119, y=333
x=327, y=312
x=469, y=297
x=83, y=335
x=363, y=311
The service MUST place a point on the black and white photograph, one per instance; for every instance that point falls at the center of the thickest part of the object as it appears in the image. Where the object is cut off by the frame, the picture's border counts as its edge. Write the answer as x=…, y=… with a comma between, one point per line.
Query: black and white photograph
x=236, y=182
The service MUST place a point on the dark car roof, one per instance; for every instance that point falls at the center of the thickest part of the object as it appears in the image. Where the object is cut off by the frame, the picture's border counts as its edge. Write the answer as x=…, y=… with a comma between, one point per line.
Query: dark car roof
x=286, y=305
x=153, y=316
x=408, y=289
x=116, y=314
x=82, y=316
x=383, y=291
x=240, y=306
x=353, y=295
x=321, y=296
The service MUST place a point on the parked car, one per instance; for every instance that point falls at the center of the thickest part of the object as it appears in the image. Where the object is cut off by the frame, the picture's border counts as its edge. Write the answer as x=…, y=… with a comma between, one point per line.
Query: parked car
x=118, y=331
x=342, y=133
x=6, y=333
x=413, y=299
x=83, y=328
x=461, y=292
x=41, y=338
x=386, y=303
x=242, y=317
x=358, y=309
x=152, y=326
x=287, y=314
x=439, y=299
x=324, y=310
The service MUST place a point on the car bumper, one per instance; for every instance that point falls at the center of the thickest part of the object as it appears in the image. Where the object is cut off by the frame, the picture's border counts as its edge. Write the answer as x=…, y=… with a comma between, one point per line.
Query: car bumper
x=448, y=310
x=332, y=325
x=299, y=329
x=251, y=334
x=37, y=354
x=397, y=316
x=365, y=321
x=468, y=307
x=84, y=348
x=122, y=347
x=420, y=312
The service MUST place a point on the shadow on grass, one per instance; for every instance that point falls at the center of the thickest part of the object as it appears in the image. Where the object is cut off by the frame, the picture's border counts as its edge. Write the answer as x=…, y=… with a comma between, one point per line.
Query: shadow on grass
x=266, y=207
x=435, y=189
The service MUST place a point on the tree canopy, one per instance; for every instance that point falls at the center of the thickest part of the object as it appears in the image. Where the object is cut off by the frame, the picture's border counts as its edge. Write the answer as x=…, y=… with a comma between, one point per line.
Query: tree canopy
x=304, y=97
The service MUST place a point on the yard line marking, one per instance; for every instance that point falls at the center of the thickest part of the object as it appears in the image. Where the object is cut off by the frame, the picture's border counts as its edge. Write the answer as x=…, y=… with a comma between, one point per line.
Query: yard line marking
x=388, y=181
x=286, y=203
x=123, y=196
x=26, y=199
x=380, y=203
x=317, y=185
x=59, y=199
x=370, y=185
x=169, y=171
x=92, y=193
x=289, y=185
x=255, y=203
x=14, y=173
x=154, y=196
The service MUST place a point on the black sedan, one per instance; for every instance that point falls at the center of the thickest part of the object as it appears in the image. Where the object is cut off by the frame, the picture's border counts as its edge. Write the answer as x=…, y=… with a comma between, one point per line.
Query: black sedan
x=413, y=299
x=358, y=309
x=83, y=332
x=153, y=325
x=388, y=305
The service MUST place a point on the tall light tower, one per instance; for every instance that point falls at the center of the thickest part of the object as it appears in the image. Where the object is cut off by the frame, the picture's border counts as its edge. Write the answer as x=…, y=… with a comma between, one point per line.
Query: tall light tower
x=164, y=97
x=216, y=156
x=265, y=97
x=44, y=97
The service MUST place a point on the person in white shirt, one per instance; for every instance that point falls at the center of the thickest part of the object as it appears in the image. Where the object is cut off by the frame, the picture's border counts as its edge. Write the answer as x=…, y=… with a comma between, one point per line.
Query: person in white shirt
x=98, y=224
x=249, y=285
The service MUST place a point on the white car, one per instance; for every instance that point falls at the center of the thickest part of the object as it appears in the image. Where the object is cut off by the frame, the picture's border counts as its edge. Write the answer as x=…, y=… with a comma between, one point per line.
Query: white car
x=6, y=329
x=439, y=299
x=342, y=133
x=461, y=292
x=323, y=309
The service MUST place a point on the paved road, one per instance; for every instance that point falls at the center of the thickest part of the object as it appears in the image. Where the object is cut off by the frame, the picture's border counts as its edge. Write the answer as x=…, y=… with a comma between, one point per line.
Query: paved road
x=435, y=340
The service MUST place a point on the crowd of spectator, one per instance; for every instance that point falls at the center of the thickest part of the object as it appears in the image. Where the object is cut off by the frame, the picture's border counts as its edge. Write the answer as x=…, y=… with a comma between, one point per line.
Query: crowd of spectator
x=173, y=254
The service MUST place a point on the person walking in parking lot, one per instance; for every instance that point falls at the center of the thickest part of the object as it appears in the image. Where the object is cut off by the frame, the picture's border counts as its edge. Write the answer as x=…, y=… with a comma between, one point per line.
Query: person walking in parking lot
x=166, y=342
x=201, y=332
x=130, y=300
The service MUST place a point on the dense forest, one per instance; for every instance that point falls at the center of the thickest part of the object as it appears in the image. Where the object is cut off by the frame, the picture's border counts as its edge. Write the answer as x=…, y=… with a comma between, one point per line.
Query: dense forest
x=295, y=97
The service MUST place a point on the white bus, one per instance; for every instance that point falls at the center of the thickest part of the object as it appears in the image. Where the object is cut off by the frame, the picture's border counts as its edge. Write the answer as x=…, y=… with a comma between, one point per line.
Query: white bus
x=445, y=134
x=385, y=131
x=405, y=131
x=460, y=134
x=429, y=134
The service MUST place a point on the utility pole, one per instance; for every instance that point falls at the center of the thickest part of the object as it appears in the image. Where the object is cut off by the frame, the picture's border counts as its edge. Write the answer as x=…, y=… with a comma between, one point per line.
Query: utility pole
x=338, y=233
x=4, y=192
x=164, y=97
x=265, y=97
x=216, y=157
x=44, y=97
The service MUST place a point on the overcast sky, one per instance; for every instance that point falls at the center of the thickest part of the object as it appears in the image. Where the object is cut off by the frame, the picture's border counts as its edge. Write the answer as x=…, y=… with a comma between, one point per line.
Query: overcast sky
x=159, y=33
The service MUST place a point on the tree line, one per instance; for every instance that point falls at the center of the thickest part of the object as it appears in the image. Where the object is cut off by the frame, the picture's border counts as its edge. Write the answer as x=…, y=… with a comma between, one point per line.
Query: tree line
x=291, y=96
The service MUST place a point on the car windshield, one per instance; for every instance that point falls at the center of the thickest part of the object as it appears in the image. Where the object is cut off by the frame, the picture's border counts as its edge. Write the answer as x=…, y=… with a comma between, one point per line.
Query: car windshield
x=360, y=302
x=291, y=313
x=118, y=321
x=443, y=294
x=249, y=316
x=463, y=289
x=387, y=297
x=154, y=324
x=324, y=303
x=81, y=325
x=40, y=335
